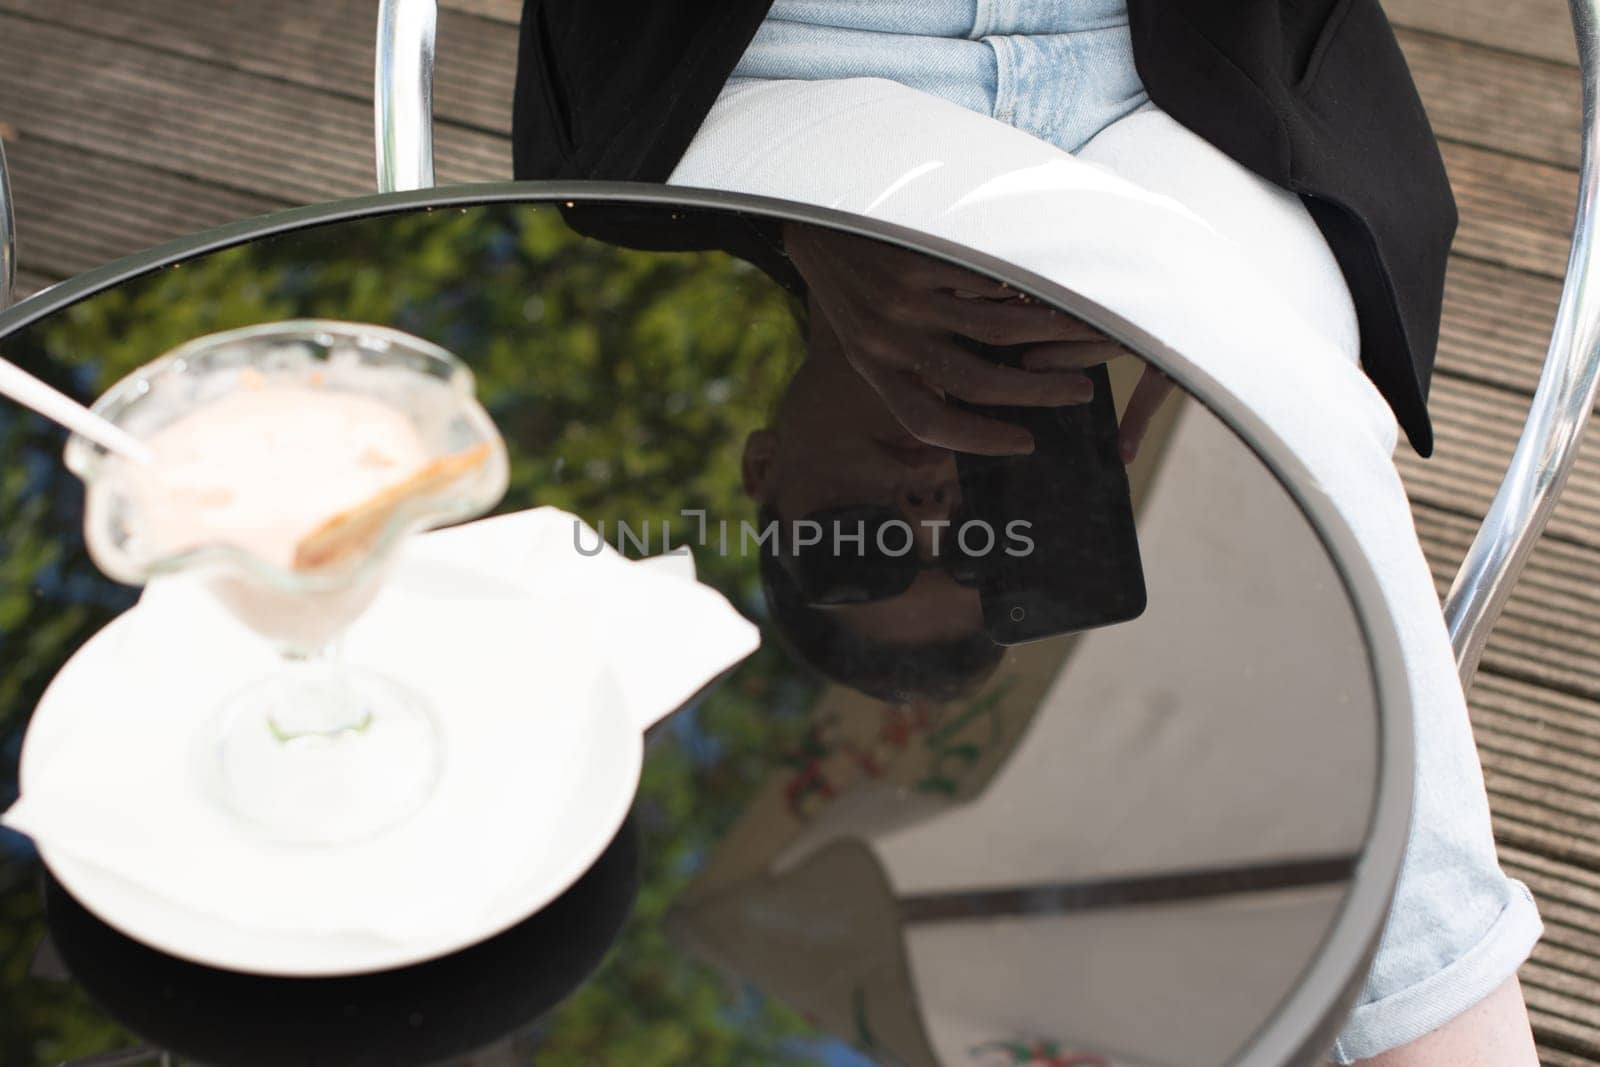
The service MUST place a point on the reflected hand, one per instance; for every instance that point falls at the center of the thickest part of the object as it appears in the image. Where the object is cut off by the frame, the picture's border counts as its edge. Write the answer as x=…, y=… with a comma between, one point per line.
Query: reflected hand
x=897, y=315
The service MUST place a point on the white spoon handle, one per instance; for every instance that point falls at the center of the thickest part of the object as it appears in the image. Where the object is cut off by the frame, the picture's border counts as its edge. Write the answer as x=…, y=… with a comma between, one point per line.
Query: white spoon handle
x=31, y=393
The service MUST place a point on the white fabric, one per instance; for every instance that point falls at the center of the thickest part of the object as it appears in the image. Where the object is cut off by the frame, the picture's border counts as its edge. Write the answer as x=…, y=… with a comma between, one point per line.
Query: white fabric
x=1157, y=226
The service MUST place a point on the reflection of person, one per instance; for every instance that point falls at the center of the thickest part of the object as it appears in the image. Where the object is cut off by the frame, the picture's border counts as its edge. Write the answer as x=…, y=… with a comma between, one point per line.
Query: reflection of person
x=863, y=444
x=1254, y=183
x=834, y=445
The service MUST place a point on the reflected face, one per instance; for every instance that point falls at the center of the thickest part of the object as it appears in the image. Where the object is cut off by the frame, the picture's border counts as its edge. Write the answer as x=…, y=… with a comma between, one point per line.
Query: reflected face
x=834, y=444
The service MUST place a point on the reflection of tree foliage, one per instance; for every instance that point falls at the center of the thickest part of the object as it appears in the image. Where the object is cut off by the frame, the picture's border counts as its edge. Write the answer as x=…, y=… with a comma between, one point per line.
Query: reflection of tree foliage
x=625, y=382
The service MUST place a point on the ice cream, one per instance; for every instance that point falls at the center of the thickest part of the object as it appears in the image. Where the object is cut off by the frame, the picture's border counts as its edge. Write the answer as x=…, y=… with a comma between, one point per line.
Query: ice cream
x=275, y=464
x=289, y=461
x=261, y=468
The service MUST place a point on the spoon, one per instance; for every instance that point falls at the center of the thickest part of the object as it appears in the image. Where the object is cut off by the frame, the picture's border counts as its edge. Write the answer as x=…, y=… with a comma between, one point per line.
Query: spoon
x=36, y=396
x=352, y=530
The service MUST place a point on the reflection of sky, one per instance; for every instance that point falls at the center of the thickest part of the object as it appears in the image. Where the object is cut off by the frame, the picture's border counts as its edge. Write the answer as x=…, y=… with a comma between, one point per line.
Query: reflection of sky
x=13, y=846
x=823, y=1051
x=703, y=748
x=48, y=502
x=831, y=1053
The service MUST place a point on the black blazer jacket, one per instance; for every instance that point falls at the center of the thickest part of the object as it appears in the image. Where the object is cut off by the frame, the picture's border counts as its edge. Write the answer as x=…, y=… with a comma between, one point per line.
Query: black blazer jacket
x=1312, y=95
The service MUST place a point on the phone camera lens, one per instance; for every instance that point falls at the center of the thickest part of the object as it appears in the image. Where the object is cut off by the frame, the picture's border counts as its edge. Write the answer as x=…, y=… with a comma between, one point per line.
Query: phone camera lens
x=1018, y=614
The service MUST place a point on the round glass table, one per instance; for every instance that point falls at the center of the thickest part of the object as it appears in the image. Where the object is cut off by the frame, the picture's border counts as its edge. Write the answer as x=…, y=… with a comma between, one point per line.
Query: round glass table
x=1113, y=773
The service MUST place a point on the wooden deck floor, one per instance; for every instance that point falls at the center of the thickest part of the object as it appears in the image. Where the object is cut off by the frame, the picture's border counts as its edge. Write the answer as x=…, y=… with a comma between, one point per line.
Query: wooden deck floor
x=129, y=122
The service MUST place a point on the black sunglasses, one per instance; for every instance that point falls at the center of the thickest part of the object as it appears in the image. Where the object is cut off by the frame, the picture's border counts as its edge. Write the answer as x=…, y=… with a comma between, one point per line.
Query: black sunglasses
x=863, y=554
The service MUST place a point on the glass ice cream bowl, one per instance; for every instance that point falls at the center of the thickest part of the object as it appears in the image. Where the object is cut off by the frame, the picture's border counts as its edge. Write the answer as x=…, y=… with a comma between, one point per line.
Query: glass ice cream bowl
x=291, y=462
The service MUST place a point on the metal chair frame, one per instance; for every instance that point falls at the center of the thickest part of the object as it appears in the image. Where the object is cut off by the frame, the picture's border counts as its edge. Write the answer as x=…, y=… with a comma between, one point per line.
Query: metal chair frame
x=8, y=236
x=1561, y=405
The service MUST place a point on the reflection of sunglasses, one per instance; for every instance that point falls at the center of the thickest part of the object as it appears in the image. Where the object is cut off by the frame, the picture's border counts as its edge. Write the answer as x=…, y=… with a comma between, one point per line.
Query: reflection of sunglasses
x=864, y=554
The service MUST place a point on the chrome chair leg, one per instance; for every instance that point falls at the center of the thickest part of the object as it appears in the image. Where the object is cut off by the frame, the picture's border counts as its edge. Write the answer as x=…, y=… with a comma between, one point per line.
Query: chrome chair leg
x=403, y=94
x=8, y=237
x=1561, y=404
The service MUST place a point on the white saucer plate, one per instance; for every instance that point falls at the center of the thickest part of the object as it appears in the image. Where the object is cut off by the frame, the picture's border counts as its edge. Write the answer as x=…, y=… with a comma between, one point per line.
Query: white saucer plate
x=595, y=757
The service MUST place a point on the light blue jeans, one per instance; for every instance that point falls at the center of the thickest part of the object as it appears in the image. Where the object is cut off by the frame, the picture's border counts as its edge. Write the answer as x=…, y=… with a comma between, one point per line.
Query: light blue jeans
x=1061, y=70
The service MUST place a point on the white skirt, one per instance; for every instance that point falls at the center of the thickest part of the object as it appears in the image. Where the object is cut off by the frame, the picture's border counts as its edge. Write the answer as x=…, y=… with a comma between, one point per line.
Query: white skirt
x=1153, y=223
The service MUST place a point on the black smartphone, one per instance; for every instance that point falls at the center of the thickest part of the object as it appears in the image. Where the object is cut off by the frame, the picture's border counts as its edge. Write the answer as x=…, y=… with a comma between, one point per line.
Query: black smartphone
x=1066, y=554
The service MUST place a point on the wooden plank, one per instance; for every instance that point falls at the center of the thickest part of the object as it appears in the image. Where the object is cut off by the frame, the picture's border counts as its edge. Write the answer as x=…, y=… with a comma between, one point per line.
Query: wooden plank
x=1535, y=651
x=1496, y=324
x=1513, y=211
x=1570, y=998
x=1541, y=28
x=1518, y=656
x=1539, y=827
x=1538, y=754
x=1543, y=772
x=1550, y=629
x=75, y=213
x=29, y=283
x=1496, y=100
x=196, y=119
x=1568, y=895
x=1565, y=723
x=1476, y=427
x=1577, y=968
x=1562, y=1011
x=325, y=46
x=501, y=10
x=1570, y=939
x=1541, y=781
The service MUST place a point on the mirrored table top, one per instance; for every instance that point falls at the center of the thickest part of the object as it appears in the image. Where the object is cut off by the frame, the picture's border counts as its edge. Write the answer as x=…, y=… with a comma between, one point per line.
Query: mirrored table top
x=1061, y=745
